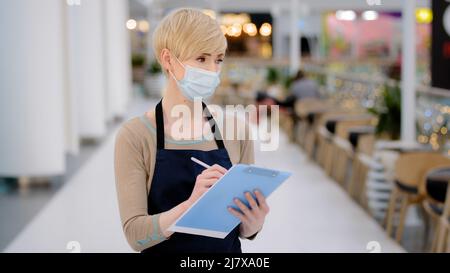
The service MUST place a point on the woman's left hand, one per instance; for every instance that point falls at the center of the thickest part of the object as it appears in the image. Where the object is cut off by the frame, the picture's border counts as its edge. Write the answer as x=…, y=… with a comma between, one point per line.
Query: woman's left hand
x=252, y=219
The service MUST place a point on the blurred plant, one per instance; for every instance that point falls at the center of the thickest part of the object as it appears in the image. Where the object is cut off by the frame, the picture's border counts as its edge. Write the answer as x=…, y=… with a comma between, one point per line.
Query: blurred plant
x=321, y=79
x=388, y=112
x=138, y=60
x=154, y=68
x=272, y=76
x=287, y=82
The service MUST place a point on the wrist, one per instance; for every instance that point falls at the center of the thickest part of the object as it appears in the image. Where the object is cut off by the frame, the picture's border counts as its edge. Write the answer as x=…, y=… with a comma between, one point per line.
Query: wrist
x=186, y=204
x=248, y=234
x=252, y=236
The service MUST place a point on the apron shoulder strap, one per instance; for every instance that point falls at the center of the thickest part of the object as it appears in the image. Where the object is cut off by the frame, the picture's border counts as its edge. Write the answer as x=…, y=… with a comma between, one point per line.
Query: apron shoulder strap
x=159, y=126
x=214, y=129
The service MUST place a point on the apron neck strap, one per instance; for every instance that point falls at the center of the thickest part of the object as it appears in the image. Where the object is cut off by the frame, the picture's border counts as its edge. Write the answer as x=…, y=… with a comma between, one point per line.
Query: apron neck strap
x=160, y=126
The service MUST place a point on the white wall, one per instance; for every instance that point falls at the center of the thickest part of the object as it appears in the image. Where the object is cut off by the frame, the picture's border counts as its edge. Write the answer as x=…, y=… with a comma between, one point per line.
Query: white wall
x=117, y=62
x=87, y=62
x=31, y=88
x=71, y=131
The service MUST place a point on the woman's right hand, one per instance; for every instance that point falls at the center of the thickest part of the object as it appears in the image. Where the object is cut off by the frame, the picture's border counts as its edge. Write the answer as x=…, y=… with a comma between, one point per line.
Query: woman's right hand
x=205, y=180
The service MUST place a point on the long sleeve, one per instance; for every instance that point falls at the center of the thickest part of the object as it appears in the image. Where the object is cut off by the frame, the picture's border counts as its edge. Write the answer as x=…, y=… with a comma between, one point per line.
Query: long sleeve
x=141, y=230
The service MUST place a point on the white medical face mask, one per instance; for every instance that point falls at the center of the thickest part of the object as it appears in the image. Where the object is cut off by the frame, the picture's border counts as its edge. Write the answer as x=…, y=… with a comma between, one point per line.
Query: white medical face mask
x=197, y=82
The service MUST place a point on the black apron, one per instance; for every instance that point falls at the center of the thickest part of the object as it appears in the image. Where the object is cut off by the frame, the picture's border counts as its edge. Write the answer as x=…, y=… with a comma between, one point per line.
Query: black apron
x=172, y=183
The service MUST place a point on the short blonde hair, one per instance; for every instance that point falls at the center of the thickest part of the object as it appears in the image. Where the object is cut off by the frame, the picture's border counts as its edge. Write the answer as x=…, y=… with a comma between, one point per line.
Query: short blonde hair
x=187, y=32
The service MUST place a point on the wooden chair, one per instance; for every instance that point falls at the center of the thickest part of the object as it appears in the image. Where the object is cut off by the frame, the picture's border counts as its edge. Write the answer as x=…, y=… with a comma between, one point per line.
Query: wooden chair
x=342, y=149
x=356, y=187
x=437, y=205
x=410, y=170
x=443, y=241
x=307, y=110
x=326, y=149
x=323, y=136
x=311, y=113
x=287, y=124
x=314, y=138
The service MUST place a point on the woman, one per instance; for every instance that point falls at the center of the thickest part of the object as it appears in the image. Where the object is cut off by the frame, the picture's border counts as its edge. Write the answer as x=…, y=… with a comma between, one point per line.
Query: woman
x=156, y=180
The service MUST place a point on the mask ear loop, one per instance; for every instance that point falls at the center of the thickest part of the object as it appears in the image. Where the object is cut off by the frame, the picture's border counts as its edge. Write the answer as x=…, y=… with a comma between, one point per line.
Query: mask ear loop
x=173, y=76
x=180, y=64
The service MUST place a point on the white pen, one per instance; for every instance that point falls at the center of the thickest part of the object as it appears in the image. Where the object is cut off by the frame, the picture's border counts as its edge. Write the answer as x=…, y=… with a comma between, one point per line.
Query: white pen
x=200, y=162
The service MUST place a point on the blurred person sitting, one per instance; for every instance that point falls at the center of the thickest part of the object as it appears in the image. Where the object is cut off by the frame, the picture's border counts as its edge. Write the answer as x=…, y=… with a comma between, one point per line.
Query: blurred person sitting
x=301, y=88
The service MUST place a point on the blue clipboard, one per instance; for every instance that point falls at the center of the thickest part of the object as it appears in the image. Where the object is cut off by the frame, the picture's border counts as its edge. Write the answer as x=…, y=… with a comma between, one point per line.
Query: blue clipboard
x=209, y=216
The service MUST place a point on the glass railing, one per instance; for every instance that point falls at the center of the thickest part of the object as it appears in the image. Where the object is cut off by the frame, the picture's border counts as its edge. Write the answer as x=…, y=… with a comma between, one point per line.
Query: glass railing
x=347, y=90
x=353, y=90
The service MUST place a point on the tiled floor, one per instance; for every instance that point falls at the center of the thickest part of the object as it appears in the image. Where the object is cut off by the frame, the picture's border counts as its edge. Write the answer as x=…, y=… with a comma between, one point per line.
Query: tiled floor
x=20, y=205
x=309, y=213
